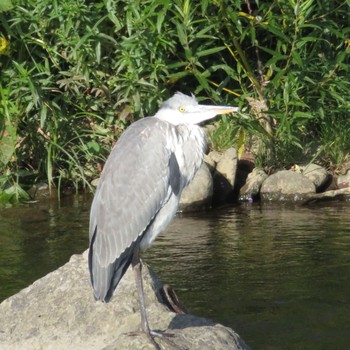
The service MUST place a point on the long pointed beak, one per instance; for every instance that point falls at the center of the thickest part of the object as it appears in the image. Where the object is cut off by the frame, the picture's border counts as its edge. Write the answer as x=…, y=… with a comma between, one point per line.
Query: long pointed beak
x=220, y=109
x=201, y=113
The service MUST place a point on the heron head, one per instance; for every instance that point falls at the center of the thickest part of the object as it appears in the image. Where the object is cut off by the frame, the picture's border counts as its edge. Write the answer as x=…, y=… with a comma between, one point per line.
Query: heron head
x=183, y=109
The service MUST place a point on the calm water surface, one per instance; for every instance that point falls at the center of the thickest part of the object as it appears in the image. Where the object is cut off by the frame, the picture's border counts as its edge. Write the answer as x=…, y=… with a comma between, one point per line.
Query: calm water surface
x=278, y=275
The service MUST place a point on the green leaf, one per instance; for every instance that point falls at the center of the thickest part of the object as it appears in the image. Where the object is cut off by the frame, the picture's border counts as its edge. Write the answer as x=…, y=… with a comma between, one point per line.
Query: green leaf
x=181, y=32
x=210, y=51
x=16, y=192
x=297, y=59
x=43, y=116
x=178, y=65
x=7, y=143
x=176, y=76
x=162, y=14
x=6, y=5
x=93, y=147
x=305, y=40
x=276, y=56
x=98, y=52
x=274, y=30
x=202, y=81
x=240, y=141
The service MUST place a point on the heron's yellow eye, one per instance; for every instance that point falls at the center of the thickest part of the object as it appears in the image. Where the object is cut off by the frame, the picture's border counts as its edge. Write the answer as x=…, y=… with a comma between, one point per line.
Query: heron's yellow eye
x=182, y=109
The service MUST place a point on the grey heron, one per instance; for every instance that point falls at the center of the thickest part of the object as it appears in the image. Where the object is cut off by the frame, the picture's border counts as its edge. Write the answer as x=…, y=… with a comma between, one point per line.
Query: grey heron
x=139, y=190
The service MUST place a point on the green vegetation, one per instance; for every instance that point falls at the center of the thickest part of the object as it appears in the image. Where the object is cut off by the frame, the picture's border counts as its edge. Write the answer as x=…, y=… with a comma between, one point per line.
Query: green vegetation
x=75, y=73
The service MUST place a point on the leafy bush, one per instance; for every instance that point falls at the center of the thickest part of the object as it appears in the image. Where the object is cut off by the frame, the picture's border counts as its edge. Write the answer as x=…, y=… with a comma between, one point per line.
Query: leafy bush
x=75, y=73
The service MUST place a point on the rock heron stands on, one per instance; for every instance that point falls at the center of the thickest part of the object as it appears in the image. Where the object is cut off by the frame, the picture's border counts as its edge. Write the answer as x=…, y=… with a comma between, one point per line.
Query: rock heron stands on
x=139, y=190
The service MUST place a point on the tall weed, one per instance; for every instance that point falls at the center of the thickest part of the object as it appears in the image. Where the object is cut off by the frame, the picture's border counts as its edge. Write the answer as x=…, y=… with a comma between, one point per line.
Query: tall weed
x=74, y=74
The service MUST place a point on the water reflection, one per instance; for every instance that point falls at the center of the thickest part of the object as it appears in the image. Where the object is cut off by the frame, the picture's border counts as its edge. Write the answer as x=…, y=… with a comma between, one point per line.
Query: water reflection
x=278, y=275
x=36, y=239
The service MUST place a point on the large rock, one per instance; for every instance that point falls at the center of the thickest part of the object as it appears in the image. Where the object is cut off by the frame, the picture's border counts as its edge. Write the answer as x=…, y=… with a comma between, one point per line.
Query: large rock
x=286, y=185
x=227, y=165
x=250, y=191
x=317, y=174
x=343, y=180
x=198, y=194
x=42, y=191
x=245, y=167
x=58, y=312
x=339, y=194
x=224, y=175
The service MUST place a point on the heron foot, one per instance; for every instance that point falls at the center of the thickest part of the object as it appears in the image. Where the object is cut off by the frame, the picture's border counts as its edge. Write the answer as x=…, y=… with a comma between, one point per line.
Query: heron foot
x=150, y=335
x=153, y=333
x=172, y=300
x=165, y=337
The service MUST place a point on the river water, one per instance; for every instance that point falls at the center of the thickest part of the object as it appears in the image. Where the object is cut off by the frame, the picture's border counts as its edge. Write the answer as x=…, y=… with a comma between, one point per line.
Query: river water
x=279, y=275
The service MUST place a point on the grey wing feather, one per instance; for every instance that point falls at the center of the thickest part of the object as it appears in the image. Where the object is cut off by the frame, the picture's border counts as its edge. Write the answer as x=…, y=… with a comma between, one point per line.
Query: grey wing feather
x=133, y=187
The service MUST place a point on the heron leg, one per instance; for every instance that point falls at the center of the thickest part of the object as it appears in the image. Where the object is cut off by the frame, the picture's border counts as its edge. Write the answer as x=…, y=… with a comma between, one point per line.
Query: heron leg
x=137, y=267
